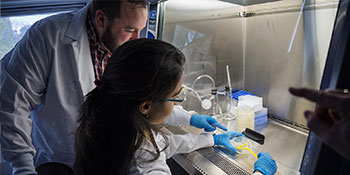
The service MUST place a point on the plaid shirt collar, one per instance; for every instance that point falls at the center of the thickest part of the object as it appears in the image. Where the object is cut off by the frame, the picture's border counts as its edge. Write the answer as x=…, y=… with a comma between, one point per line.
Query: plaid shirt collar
x=100, y=55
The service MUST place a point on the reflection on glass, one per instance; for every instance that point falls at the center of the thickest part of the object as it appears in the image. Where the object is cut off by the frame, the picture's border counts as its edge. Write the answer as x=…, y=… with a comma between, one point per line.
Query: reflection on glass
x=12, y=30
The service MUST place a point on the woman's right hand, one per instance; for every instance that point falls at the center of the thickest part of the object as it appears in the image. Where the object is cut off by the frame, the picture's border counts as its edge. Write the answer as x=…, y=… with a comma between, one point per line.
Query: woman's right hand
x=265, y=164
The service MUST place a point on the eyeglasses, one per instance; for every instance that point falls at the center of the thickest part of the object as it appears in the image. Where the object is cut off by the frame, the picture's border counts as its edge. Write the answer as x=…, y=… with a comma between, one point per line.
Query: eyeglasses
x=179, y=98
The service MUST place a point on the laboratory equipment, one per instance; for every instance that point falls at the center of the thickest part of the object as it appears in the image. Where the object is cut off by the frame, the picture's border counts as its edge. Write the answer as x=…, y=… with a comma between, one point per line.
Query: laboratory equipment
x=217, y=111
x=228, y=100
x=253, y=135
x=245, y=118
x=215, y=100
x=255, y=48
x=243, y=146
x=230, y=114
x=203, y=76
x=260, y=117
x=205, y=104
x=254, y=102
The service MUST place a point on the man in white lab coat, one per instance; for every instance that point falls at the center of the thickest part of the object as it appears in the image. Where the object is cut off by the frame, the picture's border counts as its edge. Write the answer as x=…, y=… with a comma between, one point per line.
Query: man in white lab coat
x=45, y=76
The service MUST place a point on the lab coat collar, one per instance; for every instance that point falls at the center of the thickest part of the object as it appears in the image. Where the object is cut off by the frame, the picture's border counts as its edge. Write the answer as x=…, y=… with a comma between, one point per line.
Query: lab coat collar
x=77, y=24
x=76, y=31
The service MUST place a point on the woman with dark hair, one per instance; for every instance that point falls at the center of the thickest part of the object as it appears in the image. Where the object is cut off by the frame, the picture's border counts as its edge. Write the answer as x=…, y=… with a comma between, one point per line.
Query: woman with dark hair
x=139, y=89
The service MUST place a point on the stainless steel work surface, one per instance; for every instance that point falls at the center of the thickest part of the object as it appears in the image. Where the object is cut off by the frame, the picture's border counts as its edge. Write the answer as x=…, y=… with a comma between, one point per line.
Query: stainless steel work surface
x=285, y=144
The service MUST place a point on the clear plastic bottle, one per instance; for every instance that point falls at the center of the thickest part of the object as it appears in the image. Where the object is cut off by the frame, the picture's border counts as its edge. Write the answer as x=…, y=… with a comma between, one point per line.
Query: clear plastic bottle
x=230, y=112
x=215, y=101
x=228, y=99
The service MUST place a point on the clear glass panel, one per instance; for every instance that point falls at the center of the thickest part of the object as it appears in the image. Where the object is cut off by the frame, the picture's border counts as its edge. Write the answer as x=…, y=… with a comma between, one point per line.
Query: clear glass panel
x=268, y=45
x=13, y=28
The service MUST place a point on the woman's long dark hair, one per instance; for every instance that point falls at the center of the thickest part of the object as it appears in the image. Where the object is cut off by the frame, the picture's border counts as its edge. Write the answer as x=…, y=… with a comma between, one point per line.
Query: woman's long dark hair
x=111, y=126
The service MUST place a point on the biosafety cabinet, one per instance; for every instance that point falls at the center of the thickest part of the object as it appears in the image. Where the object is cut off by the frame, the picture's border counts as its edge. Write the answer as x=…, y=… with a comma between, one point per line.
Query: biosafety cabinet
x=269, y=46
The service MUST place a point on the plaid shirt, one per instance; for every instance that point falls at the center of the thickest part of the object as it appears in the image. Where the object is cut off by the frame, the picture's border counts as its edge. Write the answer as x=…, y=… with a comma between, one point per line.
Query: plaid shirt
x=100, y=56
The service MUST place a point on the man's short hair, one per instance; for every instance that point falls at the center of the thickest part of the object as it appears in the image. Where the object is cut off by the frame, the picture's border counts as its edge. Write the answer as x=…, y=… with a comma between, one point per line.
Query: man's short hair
x=111, y=8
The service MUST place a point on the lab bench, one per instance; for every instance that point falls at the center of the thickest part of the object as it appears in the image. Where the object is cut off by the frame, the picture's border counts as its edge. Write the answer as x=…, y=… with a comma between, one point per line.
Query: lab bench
x=284, y=143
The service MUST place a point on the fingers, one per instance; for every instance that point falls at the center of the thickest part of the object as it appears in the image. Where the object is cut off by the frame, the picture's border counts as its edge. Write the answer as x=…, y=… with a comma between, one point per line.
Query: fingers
x=335, y=102
x=264, y=154
x=210, y=119
x=208, y=128
x=215, y=123
x=240, y=134
x=335, y=116
x=260, y=154
x=334, y=91
x=208, y=124
x=218, y=125
x=202, y=121
x=304, y=92
x=326, y=99
x=238, y=139
x=232, y=134
x=317, y=124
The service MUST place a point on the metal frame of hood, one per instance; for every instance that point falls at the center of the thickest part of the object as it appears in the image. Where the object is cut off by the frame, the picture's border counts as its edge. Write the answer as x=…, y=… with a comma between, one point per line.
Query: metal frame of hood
x=33, y=7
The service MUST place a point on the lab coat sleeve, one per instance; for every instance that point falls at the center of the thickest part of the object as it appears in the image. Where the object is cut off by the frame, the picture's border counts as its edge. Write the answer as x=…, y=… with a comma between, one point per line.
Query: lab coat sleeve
x=179, y=116
x=177, y=144
x=187, y=143
x=155, y=167
x=24, y=73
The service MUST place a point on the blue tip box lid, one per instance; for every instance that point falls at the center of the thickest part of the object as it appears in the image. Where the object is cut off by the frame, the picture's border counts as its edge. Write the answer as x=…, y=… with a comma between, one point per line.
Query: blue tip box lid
x=236, y=94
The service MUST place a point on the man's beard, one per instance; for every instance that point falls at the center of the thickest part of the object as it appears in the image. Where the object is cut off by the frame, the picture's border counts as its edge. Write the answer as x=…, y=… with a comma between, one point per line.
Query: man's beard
x=108, y=40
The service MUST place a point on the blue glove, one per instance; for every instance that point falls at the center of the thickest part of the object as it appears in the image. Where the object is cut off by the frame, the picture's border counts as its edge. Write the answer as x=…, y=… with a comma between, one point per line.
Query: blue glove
x=265, y=164
x=205, y=121
x=224, y=139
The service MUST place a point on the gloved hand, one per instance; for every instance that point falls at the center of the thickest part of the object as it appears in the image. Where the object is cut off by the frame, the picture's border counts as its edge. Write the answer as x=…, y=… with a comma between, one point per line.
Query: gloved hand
x=205, y=121
x=224, y=139
x=265, y=164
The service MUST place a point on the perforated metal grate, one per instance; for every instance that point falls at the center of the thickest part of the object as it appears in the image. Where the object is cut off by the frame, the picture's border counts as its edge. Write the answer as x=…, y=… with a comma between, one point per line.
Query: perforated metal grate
x=196, y=166
x=211, y=154
x=221, y=162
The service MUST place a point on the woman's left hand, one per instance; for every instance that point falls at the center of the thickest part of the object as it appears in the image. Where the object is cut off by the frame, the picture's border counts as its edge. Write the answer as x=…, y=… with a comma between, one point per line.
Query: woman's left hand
x=224, y=139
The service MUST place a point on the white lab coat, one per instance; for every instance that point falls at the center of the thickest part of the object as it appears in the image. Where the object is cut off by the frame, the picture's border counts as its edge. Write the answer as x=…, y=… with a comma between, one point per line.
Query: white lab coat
x=43, y=83
x=177, y=144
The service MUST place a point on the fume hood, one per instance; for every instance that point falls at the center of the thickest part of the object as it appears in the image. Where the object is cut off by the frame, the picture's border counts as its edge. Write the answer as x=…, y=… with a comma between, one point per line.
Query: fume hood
x=269, y=46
